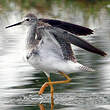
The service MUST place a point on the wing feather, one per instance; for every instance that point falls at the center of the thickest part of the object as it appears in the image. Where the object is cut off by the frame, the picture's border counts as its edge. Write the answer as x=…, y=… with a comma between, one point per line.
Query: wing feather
x=66, y=49
x=73, y=28
x=70, y=38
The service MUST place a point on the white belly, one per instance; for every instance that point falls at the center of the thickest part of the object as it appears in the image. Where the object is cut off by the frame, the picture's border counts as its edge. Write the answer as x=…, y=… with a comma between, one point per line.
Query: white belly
x=50, y=58
x=53, y=65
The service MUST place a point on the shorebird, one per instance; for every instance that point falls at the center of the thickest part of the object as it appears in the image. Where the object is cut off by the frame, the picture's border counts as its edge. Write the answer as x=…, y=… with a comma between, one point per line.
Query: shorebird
x=48, y=47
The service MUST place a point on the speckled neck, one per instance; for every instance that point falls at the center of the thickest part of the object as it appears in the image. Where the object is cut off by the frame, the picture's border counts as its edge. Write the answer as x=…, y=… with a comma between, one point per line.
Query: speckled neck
x=30, y=41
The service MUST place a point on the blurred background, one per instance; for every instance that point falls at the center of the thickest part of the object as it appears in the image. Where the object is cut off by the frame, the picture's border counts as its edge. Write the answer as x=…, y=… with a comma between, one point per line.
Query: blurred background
x=18, y=78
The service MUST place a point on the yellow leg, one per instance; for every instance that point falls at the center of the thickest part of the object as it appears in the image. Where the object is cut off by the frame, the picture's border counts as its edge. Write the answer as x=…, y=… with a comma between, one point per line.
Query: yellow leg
x=46, y=84
x=51, y=89
x=41, y=107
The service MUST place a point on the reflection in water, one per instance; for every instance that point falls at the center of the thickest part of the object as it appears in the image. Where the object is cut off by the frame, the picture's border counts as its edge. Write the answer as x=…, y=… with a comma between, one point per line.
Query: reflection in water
x=43, y=108
x=17, y=77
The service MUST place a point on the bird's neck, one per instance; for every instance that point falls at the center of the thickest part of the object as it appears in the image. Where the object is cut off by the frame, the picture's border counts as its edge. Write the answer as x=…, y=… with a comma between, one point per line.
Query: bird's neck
x=31, y=36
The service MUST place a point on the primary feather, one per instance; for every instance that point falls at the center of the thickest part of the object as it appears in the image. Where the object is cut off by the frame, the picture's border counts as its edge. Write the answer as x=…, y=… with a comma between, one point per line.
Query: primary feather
x=73, y=28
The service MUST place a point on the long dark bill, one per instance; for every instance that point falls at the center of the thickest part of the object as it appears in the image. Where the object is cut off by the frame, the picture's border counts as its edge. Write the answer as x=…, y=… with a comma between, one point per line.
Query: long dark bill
x=14, y=25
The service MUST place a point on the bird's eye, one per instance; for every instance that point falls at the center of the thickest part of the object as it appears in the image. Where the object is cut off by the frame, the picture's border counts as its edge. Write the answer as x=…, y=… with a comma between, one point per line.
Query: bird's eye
x=27, y=19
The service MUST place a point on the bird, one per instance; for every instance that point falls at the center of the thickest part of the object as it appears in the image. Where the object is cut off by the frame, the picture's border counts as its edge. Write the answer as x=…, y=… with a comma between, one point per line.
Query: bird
x=48, y=45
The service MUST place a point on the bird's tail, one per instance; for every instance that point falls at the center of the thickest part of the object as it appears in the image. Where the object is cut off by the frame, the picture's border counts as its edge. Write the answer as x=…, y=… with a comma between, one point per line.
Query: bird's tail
x=85, y=68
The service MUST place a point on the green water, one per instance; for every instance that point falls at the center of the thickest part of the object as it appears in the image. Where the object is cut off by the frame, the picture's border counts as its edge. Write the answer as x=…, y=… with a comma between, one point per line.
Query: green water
x=20, y=83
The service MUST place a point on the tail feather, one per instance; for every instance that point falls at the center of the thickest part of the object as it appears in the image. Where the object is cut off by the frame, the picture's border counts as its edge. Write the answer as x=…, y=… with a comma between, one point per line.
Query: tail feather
x=85, y=68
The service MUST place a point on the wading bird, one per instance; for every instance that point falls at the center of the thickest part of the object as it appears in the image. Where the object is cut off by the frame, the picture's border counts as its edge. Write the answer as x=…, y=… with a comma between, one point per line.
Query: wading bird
x=49, y=47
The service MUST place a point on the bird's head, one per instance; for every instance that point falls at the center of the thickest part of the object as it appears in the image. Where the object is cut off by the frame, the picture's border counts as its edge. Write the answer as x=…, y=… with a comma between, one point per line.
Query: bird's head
x=30, y=19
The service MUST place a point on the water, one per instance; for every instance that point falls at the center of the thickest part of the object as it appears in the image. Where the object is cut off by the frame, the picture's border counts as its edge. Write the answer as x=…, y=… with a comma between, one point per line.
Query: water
x=19, y=82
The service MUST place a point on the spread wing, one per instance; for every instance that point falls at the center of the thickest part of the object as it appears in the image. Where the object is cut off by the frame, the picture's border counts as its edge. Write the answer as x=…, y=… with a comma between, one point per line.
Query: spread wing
x=64, y=45
x=72, y=39
x=66, y=49
x=73, y=28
